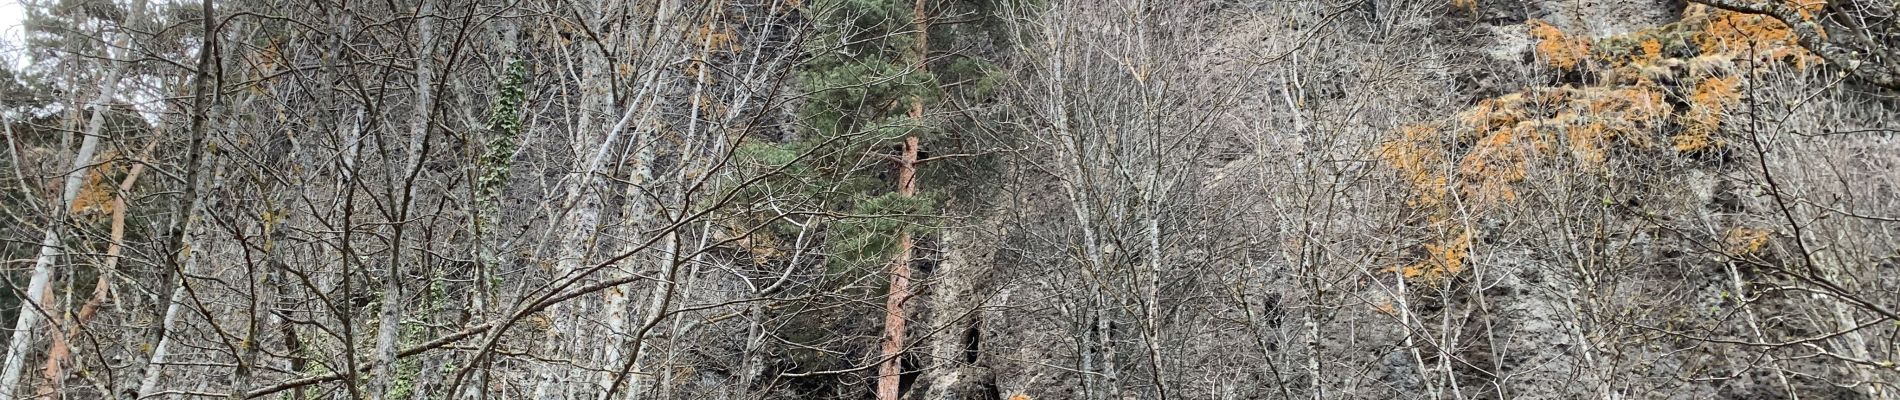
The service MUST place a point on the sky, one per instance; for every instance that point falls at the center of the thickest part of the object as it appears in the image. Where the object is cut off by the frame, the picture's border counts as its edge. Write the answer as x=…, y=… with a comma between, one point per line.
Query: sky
x=11, y=13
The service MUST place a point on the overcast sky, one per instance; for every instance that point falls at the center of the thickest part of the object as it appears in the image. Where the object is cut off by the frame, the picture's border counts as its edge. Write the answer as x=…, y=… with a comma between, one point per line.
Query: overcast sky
x=10, y=33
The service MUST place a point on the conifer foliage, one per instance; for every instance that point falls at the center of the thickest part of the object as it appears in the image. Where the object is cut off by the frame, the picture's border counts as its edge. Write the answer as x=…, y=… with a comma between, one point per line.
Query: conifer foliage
x=949, y=199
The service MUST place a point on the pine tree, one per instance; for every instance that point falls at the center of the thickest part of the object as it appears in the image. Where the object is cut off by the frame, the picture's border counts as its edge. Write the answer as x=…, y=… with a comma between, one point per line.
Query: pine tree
x=875, y=91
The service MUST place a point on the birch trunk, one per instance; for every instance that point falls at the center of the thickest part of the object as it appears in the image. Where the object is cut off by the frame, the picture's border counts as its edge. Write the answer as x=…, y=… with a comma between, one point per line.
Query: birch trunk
x=31, y=311
x=180, y=294
x=639, y=210
x=61, y=352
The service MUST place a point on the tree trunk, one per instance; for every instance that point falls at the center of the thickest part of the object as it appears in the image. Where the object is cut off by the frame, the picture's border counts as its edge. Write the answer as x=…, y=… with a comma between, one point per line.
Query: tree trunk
x=51, y=245
x=61, y=351
x=389, y=318
x=889, y=371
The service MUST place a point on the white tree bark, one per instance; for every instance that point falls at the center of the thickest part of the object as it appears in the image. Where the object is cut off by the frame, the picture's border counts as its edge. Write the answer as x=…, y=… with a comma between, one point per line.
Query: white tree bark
x=31, y=311
x=175, y=303
x=161, y=353
x=389, y=325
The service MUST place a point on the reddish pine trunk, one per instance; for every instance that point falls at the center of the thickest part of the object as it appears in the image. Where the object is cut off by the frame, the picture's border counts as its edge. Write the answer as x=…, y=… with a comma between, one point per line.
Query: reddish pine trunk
x=889, y=369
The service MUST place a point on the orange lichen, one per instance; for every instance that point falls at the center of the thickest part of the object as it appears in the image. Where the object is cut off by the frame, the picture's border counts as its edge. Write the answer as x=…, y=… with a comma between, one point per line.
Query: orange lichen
x=1717, y=91
x=1806, y=8
x=1636, y=104
x=1590, y=142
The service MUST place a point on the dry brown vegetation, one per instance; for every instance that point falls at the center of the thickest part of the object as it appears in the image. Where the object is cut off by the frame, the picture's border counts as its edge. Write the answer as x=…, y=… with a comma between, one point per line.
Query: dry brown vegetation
x=951, y=200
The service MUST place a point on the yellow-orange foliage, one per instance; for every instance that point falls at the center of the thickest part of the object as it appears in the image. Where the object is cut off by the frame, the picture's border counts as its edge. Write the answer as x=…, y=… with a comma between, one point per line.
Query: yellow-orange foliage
x=1510, y=133
x=1417, y=159
x=1746, y=241
x=1482, y=154
x=1759, y=35
x=95, y=196
x=1557, y=48
x=1442, y=259
x=1652, y=50
x=1707, y=105
x=720, y=38
x=1467, y=5
x=1387, y=308
x=1714, y=36
x=1508, y=137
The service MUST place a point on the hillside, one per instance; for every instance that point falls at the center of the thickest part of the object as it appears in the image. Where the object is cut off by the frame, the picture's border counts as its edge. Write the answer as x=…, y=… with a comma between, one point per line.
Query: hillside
x=952, y=199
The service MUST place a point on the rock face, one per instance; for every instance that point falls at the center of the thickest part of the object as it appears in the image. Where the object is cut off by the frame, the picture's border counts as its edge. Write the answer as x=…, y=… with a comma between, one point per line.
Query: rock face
x=1606, y=18
x=1601, y=230
x=1094, y=200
